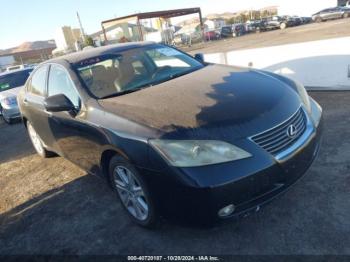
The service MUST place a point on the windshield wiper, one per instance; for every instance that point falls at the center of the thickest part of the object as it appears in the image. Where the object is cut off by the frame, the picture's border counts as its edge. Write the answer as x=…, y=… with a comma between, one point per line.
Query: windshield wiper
x=183, y=73
x=170, y=77
x=121, y=93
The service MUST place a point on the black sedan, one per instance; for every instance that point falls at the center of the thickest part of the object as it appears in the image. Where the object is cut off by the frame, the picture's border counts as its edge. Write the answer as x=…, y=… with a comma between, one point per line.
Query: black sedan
x=173, y=135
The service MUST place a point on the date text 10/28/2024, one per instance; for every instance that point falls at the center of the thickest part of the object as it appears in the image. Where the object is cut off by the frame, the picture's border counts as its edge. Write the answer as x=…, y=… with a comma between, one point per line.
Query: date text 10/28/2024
x=173, y=258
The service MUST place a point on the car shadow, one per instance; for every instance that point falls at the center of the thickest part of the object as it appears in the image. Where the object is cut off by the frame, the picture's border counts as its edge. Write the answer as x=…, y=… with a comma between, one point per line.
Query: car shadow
x=332, y=71
x=81, y=217
x=62, y=218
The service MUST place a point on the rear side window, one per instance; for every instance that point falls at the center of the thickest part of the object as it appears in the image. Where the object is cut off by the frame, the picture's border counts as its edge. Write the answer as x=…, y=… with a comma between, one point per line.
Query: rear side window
x=38, y=81
x=61, y=83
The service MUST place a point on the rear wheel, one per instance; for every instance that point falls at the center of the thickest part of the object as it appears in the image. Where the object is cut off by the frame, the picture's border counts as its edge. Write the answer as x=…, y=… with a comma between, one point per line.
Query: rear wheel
x=345, y=15
x=36, y=141
x=132, y=192
x=283, y=26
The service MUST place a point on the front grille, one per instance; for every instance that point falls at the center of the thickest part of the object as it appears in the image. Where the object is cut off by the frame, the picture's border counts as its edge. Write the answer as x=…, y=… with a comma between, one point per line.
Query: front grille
x=277, y=139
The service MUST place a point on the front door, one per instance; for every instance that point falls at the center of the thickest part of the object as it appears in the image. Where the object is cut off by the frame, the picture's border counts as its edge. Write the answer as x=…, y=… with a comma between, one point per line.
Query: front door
x=75, y=138
x=33, y=103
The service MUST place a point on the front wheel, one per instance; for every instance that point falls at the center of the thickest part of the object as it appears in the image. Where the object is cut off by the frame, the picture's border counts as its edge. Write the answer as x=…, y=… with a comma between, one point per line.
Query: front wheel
x=132, y=192
x=283, y=26
x=318, y=20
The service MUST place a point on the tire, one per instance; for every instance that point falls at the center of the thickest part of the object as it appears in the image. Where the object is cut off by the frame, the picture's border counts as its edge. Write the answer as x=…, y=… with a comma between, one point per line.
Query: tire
x=283, y=26
x=132, y=192
x=345, y=15
x=36, y=141
x=318, y=20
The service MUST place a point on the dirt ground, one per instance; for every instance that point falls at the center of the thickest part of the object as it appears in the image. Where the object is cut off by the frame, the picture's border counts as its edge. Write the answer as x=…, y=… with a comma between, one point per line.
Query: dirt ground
x=50, y=206
x=303, y=33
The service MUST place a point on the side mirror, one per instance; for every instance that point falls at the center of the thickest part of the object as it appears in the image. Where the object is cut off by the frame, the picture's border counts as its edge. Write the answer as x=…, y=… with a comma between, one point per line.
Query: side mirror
x=199, y=57
x=58, y=103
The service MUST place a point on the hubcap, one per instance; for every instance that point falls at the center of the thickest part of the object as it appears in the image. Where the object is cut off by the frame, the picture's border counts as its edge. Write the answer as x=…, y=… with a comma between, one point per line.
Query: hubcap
x=34, y=137
x=131, y=192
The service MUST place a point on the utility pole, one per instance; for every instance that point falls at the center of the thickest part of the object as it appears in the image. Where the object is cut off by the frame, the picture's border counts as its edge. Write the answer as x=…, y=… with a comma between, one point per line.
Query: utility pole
x=81, y=28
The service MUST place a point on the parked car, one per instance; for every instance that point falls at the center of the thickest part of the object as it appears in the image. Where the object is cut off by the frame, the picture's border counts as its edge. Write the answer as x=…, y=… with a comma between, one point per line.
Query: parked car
x=238, y=30
x=276, y=22
x=257, y=26
x=226, y=31
x=330, y=13
x=297, y=20
x=291, y=21
x=173, y=135
x=10, y=84
x=306, y=19
x=212, y=35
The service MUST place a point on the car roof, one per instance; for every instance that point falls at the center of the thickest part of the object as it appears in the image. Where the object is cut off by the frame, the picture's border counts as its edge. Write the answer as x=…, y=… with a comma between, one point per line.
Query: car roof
x=98, y=51
x=16, y=71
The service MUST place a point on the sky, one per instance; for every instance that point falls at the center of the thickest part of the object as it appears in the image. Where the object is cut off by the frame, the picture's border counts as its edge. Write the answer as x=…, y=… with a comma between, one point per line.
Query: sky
x=32, y=20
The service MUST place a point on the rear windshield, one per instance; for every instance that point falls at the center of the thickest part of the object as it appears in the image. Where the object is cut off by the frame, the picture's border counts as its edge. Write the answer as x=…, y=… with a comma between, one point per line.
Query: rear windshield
x=14, y=79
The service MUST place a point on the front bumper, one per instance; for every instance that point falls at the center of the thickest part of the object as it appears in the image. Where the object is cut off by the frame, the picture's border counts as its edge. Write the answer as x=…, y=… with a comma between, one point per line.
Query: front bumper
x=258, y=182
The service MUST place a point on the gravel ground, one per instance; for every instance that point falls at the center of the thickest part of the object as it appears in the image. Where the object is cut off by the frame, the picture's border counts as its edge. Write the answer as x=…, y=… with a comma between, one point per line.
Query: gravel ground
x=49, y=206
x=304, y=33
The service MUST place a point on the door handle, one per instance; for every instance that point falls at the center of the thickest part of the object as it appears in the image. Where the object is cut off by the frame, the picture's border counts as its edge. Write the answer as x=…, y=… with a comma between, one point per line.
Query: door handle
x=48, y=113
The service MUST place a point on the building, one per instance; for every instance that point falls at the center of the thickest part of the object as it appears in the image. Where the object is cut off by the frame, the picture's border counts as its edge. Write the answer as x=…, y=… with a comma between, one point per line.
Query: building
x=214, y=23
x=27, y=53
x=66, y=39
x=134, y=28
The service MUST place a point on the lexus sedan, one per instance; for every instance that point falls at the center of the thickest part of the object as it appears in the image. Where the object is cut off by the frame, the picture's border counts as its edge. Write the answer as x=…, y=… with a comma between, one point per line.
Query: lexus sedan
x=10, y=84
x=331, y=13
x=173, y=135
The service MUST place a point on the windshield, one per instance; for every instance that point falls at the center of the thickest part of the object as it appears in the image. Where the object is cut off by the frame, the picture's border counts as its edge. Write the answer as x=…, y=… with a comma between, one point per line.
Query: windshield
x=133, y=69
x=14, y=79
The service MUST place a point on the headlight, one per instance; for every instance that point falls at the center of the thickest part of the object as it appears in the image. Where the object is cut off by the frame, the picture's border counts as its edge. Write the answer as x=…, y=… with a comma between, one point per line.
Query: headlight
x=12, y=100
x=190, y=153
x=303, y=95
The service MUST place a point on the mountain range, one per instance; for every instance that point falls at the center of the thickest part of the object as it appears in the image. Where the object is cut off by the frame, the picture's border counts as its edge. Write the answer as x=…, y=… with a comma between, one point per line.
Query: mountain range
x=28, y=46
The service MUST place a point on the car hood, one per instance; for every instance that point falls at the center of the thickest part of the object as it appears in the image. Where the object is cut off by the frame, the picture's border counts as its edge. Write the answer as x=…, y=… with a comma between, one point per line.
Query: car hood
x=212, y=102
x=10, y=92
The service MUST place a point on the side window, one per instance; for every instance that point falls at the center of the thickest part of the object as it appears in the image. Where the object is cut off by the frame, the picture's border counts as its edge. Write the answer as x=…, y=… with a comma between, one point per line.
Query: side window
x=139, y=68
x=38, y=81
x=60, y=83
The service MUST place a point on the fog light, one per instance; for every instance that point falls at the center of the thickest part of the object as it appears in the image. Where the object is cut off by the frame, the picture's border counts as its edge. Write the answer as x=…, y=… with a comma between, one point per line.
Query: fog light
x=226, y=211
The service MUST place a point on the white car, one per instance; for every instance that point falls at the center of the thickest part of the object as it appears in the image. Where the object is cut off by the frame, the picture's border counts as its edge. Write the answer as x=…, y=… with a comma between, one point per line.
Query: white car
x=10, y=84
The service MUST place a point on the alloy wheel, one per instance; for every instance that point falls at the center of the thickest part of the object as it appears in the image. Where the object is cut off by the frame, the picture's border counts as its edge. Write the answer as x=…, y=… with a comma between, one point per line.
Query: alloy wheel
x=131, y=192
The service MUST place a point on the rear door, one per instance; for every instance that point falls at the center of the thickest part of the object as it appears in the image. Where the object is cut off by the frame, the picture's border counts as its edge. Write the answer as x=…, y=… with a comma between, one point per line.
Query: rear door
x=326, y=14
x=33, y=104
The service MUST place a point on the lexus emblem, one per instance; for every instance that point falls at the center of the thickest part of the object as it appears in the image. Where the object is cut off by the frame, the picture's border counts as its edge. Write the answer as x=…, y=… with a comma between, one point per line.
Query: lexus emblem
x=291, y=131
